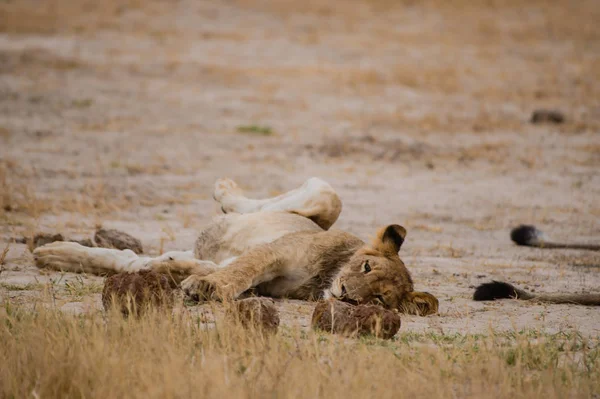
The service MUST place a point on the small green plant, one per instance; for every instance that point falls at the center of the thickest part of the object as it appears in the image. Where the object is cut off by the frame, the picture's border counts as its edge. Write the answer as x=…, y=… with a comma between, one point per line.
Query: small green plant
x=255, y=129
x=78, y=288
x=82, y=103
x=24, y=287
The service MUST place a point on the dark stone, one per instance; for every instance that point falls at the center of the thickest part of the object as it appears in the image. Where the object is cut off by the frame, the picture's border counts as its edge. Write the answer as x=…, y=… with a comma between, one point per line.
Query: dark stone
x=547, y=116
x=259, y=313
x=41, y=239
x=111, y=238
x=137, y=292
x=350, y=320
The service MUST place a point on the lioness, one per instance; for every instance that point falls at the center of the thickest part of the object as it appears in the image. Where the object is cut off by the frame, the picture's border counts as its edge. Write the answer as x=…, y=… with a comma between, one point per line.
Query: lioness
x=278, y=247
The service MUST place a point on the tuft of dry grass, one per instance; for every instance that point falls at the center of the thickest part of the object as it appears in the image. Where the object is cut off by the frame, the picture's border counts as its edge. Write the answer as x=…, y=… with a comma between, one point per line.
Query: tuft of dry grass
x=78, y=288
x=3, y=256
x=46, y=353
x=18, y=196
x=23, y=287
x=4, y=253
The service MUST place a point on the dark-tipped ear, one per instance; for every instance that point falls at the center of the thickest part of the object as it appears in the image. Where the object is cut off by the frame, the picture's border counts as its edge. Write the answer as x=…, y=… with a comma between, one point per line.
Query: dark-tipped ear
x=390, y=239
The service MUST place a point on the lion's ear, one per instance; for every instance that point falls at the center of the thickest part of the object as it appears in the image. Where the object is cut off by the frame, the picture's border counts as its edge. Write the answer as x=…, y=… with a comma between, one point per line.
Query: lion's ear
x=389, y=239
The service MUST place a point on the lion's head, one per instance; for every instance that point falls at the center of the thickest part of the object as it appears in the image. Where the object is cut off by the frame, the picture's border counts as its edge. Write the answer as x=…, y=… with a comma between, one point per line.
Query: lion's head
x=376, y=274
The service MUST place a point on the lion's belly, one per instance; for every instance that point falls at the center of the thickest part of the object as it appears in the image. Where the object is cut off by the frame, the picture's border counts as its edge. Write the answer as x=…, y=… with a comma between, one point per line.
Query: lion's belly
x=281, y=287
x=233, y=234
x=309, y=263
x=294, y=287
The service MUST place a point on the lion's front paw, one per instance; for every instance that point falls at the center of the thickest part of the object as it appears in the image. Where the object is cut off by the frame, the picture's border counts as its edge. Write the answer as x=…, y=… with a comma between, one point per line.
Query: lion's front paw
x=201, y=289
x=421, y=304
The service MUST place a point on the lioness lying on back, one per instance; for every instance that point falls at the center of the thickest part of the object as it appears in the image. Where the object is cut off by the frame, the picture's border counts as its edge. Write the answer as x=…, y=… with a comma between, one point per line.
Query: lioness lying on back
x=278, y=247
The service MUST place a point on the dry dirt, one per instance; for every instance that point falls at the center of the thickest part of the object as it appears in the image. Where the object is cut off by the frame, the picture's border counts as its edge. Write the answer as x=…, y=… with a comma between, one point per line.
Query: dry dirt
x=416, y=112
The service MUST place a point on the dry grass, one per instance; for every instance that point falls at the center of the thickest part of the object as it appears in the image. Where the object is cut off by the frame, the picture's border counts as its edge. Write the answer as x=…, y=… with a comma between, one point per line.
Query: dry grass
x=49, y=354
x=17, y=195
x=79, y=289
x=22, y=203
x=3, y=256
x=392, y=150
x=59, y=16
x=30, y=62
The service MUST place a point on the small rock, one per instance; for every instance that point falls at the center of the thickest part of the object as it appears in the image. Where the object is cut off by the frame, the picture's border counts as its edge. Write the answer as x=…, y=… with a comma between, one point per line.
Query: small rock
x=41, y=239
x=137, y=291
x=342, y=318
x=259, y=313
x=547, y=116
x=111, y=238
x=86, y=242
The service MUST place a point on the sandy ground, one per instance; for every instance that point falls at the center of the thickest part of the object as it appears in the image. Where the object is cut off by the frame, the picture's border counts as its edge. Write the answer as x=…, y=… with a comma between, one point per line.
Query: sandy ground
x=417, y=113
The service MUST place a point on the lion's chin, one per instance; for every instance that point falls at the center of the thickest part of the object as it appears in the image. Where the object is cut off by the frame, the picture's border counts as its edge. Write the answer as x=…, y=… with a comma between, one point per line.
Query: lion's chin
x=335, y=291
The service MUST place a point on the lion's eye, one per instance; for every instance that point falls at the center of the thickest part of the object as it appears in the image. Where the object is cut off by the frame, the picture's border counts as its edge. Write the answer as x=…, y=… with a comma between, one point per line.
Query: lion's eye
x=367, y=267
x=380, y=299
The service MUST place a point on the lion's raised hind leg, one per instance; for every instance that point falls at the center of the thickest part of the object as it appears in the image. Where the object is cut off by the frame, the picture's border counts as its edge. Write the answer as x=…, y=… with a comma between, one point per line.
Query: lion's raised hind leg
x=315, y=199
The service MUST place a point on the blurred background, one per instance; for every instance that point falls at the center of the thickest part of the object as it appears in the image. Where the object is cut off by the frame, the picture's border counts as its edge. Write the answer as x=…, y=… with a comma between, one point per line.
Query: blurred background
x=126, y=111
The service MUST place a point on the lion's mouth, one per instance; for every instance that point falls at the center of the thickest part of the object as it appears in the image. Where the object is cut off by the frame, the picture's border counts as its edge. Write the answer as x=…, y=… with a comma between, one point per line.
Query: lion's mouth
x=349, y=300
x=338, y=291
x=345, y=298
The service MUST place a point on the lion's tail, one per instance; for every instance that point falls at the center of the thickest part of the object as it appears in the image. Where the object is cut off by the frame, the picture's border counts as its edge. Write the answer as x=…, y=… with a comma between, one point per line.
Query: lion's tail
x=502, y=290
x=530, y=236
